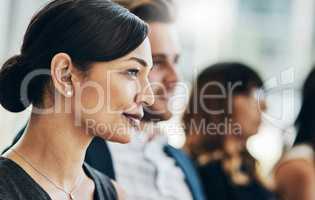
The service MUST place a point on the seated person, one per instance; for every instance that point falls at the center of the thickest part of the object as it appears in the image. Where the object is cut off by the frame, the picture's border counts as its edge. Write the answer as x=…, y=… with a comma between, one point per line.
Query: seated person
x=59, y=57
x=113, y=160
x=295, y=173
x=224, y=110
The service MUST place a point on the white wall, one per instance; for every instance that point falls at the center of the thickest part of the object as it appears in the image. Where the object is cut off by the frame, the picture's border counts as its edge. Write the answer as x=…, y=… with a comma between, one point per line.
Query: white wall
x=275, y=37
x=14, y=18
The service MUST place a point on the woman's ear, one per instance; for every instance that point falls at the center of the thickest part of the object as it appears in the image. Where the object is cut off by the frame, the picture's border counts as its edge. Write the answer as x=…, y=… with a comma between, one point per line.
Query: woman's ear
x=62, y=74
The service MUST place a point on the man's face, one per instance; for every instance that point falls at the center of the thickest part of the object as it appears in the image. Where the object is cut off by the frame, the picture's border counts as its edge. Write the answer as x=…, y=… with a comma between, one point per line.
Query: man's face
x=165, y=53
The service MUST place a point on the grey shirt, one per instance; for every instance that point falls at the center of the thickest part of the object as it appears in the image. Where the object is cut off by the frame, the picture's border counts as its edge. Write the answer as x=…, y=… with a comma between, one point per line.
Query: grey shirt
x=16, y=184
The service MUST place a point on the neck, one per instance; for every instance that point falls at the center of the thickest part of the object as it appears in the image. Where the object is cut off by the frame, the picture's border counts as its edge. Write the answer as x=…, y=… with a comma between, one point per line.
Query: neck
x=55, y=147
x=150, y=129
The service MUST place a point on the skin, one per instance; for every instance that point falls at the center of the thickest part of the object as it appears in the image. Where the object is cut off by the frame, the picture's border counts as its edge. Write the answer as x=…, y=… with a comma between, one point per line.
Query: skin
x=295, y=179
x=164, y=77
x=247, y=112
x=132, y=92
x=246, y=118
x=55, y=145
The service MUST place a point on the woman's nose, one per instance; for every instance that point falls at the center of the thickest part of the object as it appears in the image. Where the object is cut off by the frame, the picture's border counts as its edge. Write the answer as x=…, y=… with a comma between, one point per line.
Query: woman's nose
x=146, y=96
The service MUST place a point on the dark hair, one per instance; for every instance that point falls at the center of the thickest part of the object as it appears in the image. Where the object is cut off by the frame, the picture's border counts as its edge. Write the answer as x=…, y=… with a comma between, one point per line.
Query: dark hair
x=305, y=122
x=151, y=10
x=226, y=74
x=87, y=30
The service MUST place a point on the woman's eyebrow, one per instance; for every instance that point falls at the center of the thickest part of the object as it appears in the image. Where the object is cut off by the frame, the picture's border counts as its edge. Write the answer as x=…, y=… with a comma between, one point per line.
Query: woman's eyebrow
x=140, y=61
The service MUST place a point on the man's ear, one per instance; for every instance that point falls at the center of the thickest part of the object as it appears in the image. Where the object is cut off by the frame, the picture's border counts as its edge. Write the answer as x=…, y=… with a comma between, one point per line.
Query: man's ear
x=62, y=74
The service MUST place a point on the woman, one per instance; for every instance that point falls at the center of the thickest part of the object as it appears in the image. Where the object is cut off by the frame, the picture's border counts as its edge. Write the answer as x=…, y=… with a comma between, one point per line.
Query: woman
x=84, y=67
x=224, y=110
x=295, y=174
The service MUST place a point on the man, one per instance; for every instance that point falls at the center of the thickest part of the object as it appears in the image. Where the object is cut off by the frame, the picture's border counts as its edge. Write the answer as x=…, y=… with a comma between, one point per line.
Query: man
x=148, y=168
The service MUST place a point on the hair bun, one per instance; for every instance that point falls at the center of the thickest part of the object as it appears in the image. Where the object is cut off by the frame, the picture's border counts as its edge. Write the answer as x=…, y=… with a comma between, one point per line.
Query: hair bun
x=12, y=73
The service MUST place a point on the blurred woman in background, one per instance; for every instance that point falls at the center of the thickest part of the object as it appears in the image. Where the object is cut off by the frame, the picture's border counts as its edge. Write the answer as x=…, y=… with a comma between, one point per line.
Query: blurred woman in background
x=295, y=174
x=224, y=110
x=84, y=67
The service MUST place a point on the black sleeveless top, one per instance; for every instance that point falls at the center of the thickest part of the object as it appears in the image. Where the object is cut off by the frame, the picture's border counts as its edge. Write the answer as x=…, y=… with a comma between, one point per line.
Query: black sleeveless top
x=16, y=184
x=217, y=185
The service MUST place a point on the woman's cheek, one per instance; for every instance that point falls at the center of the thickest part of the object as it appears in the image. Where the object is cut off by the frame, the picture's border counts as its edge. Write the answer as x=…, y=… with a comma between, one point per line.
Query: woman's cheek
x=123, y=93
x=90, y=97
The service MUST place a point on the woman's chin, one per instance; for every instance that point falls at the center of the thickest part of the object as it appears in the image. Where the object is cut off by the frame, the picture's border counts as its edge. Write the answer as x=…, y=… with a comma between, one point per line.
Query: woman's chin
x=123, y=135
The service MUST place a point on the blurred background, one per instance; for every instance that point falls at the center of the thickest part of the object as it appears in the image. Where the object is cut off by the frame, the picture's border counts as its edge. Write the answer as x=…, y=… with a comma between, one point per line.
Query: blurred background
x=276, y=37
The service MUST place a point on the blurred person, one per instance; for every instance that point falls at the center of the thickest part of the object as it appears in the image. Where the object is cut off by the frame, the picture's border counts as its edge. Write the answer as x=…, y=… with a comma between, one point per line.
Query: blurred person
x=149, y=168
x=224, y=110
x=75, y=54
x=295, y=173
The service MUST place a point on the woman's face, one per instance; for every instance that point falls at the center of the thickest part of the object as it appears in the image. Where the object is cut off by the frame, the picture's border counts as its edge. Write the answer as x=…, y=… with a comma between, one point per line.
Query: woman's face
x=109, y=101
x=247, y=111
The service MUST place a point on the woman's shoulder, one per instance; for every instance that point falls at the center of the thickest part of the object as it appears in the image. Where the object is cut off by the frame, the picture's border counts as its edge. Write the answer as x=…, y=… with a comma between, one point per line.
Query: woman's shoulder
x=297, y=166
x=299, y=155
x=302, y=151
x=5, y=172
x=8, y=171
x=104, y=185
x=16, y=184
x=4, y=165
x=299, y=159
x=295, y=177
x=6, y=189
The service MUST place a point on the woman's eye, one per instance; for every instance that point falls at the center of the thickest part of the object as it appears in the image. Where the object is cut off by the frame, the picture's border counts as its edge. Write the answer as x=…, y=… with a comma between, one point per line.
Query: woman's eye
x=133, y=72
